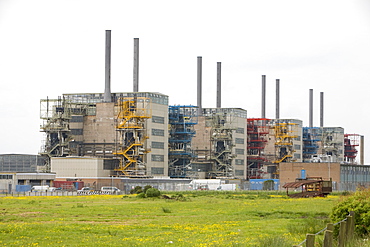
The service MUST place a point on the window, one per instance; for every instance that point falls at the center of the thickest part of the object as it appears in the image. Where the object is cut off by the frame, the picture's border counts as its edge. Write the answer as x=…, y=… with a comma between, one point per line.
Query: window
x=239, y=151
x=157, y=170
x=6, y=176
x=239, y=140
x=157, y=132
x=297, y=156
x=240, y=130
x=239, y=162
x=77, y=131
x=157, y=157
x=77, y=119
x=239, y=173
x=297, y=147
x=157, y=119
x=158, y=145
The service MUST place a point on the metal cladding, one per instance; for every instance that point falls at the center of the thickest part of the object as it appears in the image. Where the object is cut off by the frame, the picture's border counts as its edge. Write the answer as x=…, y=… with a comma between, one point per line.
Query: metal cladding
x=321, y=109
x=199, y=84
x=311, y=109
x=263, y=110
x=218, y=104
x=277, y=99
x=107, y=91
x=136, y=65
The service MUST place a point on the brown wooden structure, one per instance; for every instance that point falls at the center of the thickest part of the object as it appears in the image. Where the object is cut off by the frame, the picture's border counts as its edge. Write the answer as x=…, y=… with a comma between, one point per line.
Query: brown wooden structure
x=310, y=187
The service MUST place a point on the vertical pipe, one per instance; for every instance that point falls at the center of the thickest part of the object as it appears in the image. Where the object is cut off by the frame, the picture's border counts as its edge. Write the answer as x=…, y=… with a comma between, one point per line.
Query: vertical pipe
x=321, y=109
x=107, y=91
x=311, y=109
x=199, y=84
x=277, y=99
x=136, y=64
x=362, y=150
x=218, y=103
x=263, y=110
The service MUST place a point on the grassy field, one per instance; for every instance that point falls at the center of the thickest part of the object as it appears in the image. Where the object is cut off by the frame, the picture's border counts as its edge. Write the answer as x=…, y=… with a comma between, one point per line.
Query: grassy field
x=197, y=219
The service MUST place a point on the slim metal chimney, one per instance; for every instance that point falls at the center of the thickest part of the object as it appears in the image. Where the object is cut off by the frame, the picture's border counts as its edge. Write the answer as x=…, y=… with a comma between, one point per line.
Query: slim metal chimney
x=136, y=64
x=199, y=84
x=311, y=109
x=107, y=92
x=263, y=110
x=362, y=150
x=218, y=104
x=321, y=109
x=277, y=99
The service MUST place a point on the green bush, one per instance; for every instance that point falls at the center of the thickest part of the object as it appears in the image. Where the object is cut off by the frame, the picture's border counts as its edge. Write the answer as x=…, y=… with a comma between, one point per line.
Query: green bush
x=136, y=190
x=152, y=192
x=141, y=195
x=359, y=203
x=146, y=188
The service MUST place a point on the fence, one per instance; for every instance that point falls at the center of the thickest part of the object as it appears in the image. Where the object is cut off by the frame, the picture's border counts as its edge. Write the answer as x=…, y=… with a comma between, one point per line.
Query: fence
x=346, y=233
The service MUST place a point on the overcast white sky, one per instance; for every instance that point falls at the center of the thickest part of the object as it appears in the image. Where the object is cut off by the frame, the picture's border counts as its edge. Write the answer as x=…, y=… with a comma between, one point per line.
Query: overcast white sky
x=51, y=47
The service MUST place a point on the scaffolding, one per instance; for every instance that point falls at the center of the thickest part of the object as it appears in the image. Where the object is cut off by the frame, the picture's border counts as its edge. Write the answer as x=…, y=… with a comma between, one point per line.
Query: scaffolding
x=56, y=115
x=284, y=135
x=222, y=145
x=257, y=137
x=310, y=137
x=351, y=141
x=332, y=143
x=131, y=130
x=181, y=131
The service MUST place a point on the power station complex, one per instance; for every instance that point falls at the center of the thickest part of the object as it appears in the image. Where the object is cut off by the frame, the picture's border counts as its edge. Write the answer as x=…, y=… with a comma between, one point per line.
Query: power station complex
x=138, y=135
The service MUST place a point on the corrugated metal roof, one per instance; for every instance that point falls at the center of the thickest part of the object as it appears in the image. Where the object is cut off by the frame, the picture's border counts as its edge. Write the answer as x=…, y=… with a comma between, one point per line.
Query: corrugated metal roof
x=299, y=184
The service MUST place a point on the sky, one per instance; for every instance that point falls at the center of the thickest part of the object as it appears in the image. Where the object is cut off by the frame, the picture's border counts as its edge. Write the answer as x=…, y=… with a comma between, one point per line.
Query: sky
x=51, y=47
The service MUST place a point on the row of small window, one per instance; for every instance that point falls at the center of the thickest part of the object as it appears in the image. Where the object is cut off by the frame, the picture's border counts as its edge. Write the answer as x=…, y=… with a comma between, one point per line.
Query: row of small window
x=6, y=176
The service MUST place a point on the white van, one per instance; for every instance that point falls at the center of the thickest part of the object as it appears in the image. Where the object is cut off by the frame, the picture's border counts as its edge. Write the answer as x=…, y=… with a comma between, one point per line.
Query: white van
x=110, y=189
x=40, y=188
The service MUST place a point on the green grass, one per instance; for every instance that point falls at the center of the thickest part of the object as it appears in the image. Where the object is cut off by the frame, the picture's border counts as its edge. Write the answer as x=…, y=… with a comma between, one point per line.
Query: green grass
x=189, y=219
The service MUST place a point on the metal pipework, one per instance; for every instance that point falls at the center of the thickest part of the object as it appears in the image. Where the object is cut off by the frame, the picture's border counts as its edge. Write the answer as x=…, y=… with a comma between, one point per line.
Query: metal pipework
x=277, y=99
x=136, y=65
x=107, y=91
x=311, y=109
x=199, y=84
x=218, y=103
x=263, y=109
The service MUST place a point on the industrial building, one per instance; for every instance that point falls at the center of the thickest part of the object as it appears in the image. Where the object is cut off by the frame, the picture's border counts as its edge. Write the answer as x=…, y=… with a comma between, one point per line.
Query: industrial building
x=138, y=135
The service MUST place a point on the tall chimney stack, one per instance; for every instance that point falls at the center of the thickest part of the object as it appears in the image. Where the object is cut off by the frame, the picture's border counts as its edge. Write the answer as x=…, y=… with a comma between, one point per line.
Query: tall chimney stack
x=199, y=85
x=263, y=110
x=107, y=91
x=362, y=150
x=311, y=109
x=321, y=109
x=218, y=105
x=277, y=99
x=136, y=64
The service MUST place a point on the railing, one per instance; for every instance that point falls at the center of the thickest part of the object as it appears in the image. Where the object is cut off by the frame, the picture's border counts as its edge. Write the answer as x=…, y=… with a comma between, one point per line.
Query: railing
x=346, y=233
x=59, y=193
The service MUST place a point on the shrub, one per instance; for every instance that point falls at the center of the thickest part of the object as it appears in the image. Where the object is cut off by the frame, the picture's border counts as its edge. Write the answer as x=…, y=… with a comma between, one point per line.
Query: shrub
x=268, y=185
x=141, y=195
x=136, y=190
x=359, y=203
x=146, y=188
x=152, y=192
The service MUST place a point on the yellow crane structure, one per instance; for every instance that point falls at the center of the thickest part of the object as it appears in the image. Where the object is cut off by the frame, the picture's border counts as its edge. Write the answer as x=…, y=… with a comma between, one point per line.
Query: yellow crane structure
x=133, y=113
x=284, y=135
